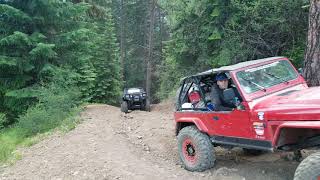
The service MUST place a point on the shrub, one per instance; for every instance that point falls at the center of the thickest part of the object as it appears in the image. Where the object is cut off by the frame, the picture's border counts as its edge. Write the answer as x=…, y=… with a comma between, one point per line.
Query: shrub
x=3, y=120
x=55, y=105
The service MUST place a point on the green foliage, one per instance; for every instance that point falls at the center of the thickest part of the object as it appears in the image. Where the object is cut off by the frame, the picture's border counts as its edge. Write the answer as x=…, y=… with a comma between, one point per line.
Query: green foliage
x=136, y=31
x=213, y=33
x=12, y=138
x=55, y=102
x=134, y=15
x=36, y=120
x=56, y=106
x=3, y=120
x=54, y=55
x=44, y=40
x=17, y=39
x=296, y=54
x=8, y=145
x=266, y=28
x=13, y=19
x=42, y=51
x=9, y=140
x=8, y=62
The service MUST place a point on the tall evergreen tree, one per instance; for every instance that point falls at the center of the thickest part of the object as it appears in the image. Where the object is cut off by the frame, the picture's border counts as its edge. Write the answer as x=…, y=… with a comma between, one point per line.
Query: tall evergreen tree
x=312, y=55
x=40, y=37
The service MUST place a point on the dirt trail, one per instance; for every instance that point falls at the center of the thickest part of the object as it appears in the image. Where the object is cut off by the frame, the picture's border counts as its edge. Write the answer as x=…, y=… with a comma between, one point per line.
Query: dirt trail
x=137, y=145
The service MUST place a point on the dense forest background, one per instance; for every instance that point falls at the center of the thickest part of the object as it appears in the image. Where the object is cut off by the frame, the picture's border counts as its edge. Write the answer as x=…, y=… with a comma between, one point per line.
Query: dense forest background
x=57, y=54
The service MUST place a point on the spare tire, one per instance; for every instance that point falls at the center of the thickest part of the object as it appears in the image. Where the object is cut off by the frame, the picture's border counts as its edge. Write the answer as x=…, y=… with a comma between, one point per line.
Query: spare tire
x=309, y=168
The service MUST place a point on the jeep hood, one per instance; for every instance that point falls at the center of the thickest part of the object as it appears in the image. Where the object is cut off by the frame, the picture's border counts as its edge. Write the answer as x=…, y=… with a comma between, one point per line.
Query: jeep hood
x=294, y=105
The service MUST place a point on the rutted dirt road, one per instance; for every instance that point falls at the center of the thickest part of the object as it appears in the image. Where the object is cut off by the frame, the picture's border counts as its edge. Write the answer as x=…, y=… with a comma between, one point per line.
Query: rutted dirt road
x=139, y=145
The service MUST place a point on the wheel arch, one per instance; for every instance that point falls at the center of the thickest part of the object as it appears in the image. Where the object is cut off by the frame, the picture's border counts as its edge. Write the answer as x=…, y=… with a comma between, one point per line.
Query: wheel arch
x=190, y=122
x=286, y=135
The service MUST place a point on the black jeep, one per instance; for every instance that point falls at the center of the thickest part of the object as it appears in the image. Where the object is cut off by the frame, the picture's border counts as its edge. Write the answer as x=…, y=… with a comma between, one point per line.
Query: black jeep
x=134, y=98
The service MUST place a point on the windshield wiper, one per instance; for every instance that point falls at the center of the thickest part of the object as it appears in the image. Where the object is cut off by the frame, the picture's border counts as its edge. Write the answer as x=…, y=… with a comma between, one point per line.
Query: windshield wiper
x=277, y=77
x=259, y=86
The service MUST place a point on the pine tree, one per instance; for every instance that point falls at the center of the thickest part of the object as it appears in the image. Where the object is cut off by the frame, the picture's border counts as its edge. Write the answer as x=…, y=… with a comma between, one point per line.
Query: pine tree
x=43, y=42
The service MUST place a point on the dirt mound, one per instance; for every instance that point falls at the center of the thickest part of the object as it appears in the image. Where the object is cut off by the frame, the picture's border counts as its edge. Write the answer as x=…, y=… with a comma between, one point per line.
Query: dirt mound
x=166, y=107
x=138, y=145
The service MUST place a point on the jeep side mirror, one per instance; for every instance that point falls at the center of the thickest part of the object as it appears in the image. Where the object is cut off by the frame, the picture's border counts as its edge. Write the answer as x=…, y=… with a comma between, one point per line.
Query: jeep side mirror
x=300, y=70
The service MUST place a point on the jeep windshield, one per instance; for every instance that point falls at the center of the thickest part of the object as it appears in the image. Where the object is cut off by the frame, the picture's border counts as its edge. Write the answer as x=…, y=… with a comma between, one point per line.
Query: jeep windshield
x=134, y=90
x=265, y=76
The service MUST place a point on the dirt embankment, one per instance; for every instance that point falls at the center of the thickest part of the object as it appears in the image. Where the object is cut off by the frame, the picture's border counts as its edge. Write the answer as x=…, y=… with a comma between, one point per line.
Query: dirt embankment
x=137, y=145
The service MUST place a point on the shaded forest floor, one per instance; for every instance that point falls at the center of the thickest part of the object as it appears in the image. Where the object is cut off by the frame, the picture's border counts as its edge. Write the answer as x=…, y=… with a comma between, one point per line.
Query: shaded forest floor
x=138, y=145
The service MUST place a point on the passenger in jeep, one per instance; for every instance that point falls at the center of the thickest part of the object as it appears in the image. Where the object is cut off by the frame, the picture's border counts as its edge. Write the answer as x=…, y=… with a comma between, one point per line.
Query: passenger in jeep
x=217, y=93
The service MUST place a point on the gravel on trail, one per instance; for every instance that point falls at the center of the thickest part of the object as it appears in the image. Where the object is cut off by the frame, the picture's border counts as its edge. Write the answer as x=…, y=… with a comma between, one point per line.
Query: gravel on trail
x=139, y=145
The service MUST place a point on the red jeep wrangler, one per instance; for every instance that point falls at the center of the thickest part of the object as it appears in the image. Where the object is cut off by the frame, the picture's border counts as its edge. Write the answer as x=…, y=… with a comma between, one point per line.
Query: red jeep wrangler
x=274, y=109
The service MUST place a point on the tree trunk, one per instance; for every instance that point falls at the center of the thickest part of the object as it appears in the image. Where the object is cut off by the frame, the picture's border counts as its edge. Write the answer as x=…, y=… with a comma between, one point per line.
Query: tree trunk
x=150, y=47
x=161, y=34
x=312, y=55
x=122, y=40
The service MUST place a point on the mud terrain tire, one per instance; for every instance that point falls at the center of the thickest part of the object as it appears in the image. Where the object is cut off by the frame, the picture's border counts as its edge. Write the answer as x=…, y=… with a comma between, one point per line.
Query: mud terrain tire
x=196, y=151
x=124, y=106
x=309, y=168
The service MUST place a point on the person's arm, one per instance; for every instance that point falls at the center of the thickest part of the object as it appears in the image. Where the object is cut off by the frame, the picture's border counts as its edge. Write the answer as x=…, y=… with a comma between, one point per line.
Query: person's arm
x=215, y=99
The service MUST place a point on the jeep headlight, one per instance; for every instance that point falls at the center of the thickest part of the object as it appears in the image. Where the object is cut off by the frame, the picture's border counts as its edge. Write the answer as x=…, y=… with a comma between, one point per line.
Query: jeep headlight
x=127, y=96
x=144, y=95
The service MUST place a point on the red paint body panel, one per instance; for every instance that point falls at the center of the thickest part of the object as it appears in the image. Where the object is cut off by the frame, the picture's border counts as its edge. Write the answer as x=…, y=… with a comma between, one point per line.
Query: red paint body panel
x=287, y=105
x=299, y=105
x=196, y=118
x=235, y=123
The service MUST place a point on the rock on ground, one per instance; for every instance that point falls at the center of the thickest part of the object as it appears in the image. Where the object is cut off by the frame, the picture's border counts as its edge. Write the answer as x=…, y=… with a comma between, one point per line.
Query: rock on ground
x=139, y=145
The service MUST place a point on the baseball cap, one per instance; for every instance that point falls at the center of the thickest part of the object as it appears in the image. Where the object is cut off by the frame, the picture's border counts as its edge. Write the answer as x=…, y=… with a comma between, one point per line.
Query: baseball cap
x=221, y=77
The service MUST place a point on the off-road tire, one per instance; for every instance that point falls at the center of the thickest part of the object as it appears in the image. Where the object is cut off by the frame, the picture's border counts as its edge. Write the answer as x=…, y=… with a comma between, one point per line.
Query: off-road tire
x=203, y=157
x=147, y=105
x=309, y=168
x=252, y=152
x=124, y=106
